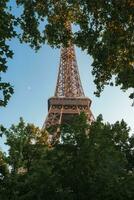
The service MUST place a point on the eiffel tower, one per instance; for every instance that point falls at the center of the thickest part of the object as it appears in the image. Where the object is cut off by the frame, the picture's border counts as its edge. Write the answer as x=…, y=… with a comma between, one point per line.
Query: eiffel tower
x=69, y=98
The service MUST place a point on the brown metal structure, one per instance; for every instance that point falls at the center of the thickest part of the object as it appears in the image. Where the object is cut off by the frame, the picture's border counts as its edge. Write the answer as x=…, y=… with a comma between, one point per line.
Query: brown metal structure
x=69, y=98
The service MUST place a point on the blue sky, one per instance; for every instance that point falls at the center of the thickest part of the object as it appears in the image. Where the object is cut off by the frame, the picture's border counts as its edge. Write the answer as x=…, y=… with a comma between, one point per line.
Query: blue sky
x=34, y=75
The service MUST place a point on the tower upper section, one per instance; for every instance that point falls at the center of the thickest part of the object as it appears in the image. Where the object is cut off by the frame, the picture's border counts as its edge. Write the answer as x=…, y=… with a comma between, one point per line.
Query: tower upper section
x=68, y=81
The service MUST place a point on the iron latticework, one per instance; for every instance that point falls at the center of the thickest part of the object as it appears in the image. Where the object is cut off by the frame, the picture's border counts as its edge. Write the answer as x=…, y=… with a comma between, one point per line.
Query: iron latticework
x=68, y=82
x=69, y=98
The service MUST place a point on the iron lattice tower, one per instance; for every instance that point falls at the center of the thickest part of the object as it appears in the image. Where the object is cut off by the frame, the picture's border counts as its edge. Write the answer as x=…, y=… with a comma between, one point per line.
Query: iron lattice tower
x=69, y=98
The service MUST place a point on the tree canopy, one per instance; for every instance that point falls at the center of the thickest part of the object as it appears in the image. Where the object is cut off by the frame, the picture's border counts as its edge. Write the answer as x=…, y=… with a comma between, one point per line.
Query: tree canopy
x=90, y=161
x=104, y=30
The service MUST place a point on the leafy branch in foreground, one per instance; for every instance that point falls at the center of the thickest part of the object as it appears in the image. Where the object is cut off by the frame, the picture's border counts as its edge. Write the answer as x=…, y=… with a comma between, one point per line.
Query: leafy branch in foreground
x=7, y=32
x=93, y=162
x=104, y=30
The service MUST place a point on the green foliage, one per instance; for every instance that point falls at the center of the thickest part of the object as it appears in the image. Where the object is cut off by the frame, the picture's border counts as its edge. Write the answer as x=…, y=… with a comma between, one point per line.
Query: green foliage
x=105, y=31
x=7, y=32
x=27, y=145
x=90, y=161
x=4, y=172
x=7, y=91
x=96, y=165
x=25, y=142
